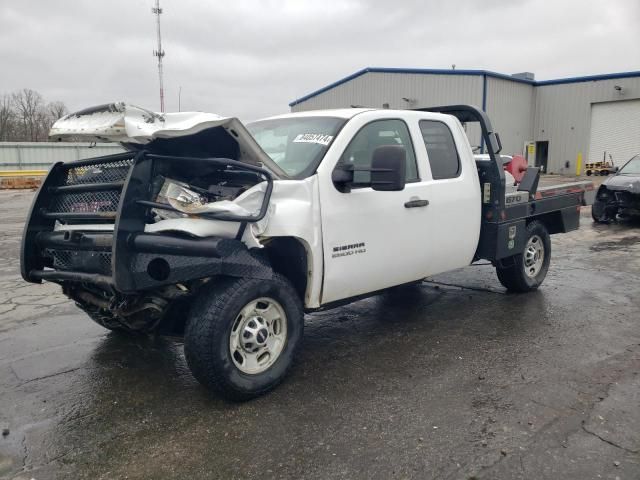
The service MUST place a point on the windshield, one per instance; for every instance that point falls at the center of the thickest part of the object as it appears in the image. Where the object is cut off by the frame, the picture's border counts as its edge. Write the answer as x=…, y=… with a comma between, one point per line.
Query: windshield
x=632, y=167
x=296, y=144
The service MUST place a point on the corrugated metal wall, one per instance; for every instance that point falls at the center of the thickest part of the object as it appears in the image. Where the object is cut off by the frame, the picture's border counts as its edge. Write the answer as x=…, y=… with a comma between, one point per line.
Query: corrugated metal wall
x=40, y=155
x=373, y=89
x=563, y=116
x=510, y=107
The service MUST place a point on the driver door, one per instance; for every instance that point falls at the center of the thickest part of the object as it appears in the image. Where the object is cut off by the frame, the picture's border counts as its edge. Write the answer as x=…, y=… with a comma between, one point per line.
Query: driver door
x=369, y=236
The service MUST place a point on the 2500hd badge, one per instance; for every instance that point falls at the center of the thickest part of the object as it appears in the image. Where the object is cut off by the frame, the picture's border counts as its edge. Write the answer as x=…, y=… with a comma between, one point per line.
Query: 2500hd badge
x=346, y=250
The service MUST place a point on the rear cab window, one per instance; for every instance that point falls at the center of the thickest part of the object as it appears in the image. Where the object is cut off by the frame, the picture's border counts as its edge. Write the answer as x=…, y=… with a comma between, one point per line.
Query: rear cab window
x=441, y=149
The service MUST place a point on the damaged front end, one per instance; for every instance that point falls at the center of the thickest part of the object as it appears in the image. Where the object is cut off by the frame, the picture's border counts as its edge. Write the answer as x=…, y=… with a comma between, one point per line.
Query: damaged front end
x=618, y=197
x=132, y=236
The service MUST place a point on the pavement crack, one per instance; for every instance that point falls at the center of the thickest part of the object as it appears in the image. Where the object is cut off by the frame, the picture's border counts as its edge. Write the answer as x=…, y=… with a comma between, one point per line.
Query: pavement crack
x=25, y=453
x=613, y=444
x=49, y=376
x=463, y=287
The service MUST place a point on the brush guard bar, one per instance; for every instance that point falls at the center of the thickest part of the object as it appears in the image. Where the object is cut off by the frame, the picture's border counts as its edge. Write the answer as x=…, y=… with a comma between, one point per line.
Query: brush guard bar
x=113, y=195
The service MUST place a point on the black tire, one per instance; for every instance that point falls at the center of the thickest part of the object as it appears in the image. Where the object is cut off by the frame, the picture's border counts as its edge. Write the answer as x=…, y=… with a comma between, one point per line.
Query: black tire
x=600, y=213
x=588, y=172
x=207, y=335
x=512, y=271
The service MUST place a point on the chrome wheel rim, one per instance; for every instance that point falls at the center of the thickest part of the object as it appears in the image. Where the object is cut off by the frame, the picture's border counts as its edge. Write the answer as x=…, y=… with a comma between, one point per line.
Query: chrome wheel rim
x=533, y=256
x=258, y=335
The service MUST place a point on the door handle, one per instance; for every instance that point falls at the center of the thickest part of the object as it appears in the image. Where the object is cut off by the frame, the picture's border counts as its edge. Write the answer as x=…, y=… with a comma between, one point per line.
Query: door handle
x=416, y=203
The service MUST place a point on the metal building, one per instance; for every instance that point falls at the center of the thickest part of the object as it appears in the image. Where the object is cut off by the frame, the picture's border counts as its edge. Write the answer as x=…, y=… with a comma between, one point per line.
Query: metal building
x=551, y=122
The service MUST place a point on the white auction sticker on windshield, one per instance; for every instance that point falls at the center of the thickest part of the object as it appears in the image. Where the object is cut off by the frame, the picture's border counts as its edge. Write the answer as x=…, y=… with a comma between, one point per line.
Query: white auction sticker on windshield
x=313, y=138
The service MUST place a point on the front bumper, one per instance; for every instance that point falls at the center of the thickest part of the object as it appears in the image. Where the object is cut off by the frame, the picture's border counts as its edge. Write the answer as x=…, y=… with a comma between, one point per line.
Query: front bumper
x=113, y=196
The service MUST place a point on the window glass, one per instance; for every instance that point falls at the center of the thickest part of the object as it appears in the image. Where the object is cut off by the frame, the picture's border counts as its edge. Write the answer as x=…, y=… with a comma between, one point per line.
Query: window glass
x=373, y=135
x=296, y=144
x=632, y=167
x=441, y=149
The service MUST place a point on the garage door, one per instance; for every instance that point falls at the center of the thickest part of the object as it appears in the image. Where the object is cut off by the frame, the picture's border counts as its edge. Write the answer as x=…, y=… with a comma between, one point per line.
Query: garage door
x=615, y=129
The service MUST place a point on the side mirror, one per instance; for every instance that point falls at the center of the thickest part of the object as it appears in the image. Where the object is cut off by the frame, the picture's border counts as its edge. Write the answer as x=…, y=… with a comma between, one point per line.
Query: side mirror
x=342, y=177
x=388, y=168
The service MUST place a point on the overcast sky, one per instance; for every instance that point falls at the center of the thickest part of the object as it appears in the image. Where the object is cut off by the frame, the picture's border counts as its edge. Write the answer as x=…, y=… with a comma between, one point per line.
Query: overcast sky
x=251, y=58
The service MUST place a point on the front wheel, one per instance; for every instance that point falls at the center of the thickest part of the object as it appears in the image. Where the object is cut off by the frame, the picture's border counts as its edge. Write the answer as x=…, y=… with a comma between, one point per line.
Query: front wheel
x=526, y=271
x=601, y=213
x=242, y=335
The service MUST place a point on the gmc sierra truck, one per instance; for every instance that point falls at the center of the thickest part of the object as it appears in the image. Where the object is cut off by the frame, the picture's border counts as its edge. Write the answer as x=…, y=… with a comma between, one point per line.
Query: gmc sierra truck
x=227, y=234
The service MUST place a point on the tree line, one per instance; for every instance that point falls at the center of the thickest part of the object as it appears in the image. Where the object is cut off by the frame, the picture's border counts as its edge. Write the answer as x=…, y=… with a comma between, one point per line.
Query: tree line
x=26, y=117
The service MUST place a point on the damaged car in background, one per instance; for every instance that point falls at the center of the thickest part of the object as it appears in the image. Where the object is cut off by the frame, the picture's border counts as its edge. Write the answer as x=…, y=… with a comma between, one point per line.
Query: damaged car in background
x=618, y=198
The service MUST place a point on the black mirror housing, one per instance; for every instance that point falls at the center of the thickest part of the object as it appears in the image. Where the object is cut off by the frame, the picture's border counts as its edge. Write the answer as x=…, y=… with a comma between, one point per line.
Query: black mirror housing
x=388, y=168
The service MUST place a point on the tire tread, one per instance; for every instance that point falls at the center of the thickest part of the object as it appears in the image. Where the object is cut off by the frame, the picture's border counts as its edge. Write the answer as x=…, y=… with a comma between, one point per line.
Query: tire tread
x=206, y=322
x=512, y=277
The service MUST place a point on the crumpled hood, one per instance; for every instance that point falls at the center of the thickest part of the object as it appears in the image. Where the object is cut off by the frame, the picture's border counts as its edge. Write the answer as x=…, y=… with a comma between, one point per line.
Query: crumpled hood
x=136, y=127
x=628, y=183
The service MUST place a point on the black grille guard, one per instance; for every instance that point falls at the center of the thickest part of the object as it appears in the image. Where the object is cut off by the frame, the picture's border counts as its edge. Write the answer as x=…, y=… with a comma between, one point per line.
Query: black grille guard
x=115, y=191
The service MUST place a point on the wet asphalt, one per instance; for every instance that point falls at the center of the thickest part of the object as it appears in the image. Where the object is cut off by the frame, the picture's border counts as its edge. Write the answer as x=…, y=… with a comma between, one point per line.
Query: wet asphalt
x=452, y=379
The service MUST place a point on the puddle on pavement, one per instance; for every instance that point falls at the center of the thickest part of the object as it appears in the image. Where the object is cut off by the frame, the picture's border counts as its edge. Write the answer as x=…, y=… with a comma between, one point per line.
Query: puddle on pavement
x=620, y=244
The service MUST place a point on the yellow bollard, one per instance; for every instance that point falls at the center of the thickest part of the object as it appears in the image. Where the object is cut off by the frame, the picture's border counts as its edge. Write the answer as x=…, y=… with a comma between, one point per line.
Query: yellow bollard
x=578, y=164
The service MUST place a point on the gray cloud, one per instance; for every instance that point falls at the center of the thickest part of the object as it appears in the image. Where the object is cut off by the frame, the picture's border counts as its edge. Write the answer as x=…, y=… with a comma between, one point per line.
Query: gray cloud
x=250, y=58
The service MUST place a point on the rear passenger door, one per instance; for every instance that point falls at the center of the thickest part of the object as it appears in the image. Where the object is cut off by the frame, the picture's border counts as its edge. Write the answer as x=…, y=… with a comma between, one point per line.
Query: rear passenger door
x=451, y=227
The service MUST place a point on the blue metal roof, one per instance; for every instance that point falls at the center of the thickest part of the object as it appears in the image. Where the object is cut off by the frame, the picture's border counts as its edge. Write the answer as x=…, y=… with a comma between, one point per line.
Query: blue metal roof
x=487, y=73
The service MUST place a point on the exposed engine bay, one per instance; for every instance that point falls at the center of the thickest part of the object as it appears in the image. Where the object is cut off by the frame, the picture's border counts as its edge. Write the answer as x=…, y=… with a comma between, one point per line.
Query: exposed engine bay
x=220, y=191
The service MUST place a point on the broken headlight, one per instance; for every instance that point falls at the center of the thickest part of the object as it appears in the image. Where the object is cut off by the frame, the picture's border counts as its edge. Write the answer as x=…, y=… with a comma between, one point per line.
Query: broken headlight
x=183, y=197
x=191, y=200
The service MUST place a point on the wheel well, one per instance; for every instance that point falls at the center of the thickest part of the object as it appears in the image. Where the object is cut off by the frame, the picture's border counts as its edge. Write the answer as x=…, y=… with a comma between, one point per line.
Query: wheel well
x=288, y=257
x=554, y=222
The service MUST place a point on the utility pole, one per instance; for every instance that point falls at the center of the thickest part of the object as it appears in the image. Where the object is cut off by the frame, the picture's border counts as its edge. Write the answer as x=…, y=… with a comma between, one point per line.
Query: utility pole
x=159, y=52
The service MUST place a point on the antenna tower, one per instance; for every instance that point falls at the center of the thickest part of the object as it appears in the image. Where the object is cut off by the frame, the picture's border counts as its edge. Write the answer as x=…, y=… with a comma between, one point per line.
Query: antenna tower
x=159, y=52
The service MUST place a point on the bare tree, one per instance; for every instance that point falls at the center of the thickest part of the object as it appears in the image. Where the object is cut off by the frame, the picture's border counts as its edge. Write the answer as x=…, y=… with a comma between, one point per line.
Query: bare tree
x=57, y=110
x=7, y=118
x=28, y=105
x=24, y=116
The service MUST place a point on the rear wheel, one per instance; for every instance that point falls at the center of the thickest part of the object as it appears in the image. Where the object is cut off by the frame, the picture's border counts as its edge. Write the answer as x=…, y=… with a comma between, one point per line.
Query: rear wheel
x=242, y=335
x=526, y=271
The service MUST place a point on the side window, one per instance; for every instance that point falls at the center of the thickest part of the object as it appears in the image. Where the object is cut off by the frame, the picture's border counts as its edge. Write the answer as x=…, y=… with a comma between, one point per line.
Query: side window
x=441, y=149
x=376, y=134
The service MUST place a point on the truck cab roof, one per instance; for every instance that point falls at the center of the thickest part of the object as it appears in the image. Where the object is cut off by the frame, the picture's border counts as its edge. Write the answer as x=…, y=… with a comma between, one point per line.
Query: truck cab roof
x=348, y=113
x=345, y=113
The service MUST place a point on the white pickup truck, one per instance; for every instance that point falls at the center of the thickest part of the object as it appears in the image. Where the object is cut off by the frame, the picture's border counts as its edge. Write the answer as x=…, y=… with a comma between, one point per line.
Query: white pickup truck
x=228, y=234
